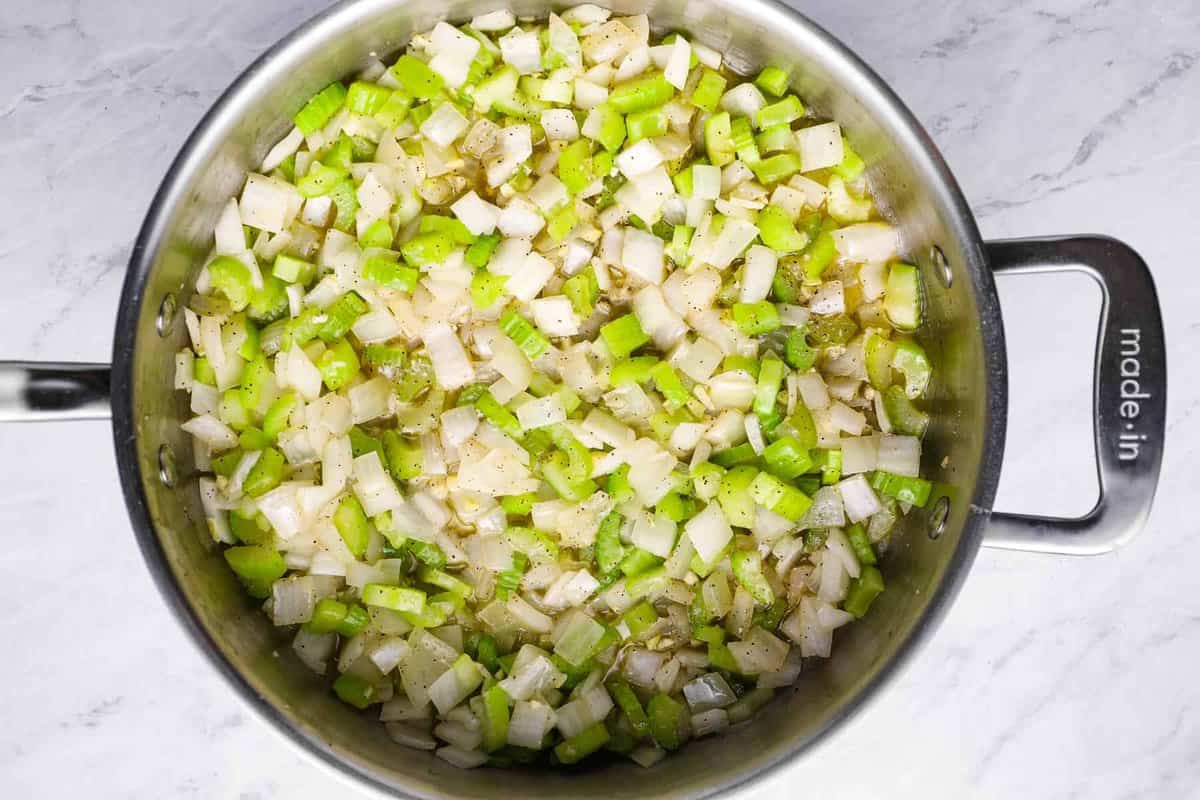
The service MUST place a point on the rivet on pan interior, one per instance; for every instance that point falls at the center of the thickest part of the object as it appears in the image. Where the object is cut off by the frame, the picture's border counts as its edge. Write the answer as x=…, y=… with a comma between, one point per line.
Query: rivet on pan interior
x=167, y=473
x=937, y=517
x=941, y=266
x=166, y=314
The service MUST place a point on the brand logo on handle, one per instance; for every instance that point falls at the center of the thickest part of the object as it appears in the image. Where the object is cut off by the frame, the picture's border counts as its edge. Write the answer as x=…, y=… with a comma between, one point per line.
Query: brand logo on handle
x=1129, y=442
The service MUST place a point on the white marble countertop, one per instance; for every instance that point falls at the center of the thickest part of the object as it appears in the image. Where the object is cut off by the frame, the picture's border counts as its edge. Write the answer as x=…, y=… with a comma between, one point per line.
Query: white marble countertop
x=1050, y=678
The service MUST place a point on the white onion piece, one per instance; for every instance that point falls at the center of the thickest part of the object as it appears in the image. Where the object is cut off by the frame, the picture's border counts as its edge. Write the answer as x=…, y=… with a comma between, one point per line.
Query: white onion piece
x=820, y=146
x=858, y=498
x=758, y=273
x=477, y=214
x=900, y=454
x=709, y=532
x=499, y=20
x=522, y=50
x=867, y=242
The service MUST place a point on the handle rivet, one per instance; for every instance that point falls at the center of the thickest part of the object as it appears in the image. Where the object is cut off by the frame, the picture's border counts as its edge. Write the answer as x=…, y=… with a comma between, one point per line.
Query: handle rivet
x=167, y=472
x=938, y=516
x=166, y=314
x=941, y=266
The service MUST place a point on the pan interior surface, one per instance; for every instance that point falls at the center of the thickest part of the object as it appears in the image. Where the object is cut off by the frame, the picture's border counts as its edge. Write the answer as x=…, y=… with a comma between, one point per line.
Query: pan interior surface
x=962, y=450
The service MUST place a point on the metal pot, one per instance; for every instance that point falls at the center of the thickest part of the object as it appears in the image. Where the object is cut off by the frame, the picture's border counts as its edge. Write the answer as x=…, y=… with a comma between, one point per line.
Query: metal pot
x=964, y=447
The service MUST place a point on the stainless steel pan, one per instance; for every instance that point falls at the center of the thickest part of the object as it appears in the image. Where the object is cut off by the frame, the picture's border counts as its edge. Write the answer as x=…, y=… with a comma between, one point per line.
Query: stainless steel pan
x=964, y=447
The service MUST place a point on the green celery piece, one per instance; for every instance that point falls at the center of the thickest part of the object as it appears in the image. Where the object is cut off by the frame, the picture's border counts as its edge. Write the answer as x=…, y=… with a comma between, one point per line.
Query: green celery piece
x=665, y=714
x=914, y=491
x=623, y=335
x=417, y=78
x=293, y=270
x=862, y=591
x=367, y=98
x=786, y=458
x=521, y=331
x=495, y=718
x=799, y=354
x=582, y=744
x=911, y=360
x=772, y=80
x=612, y=127
x=755, y=319
x=266, y=474
x=709, y=90
x=426, y=249
x=748, y=570
x=354, y=691
x=734, y=496
x=231, y=278
x=782, y=112
x=640, y=94
x=860, y=543
x=328, y=616
x=394, y=598
x=320, y=108
x=255, y=562
x=340, y=316
x=338, y=365
x=405, y=459
x=718, y=139
x=351, y=523
x=778, y=232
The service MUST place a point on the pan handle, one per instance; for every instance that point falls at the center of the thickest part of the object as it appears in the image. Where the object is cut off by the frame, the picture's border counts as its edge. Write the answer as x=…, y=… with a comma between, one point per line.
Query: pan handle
x=1129, y=400
x=45, y=392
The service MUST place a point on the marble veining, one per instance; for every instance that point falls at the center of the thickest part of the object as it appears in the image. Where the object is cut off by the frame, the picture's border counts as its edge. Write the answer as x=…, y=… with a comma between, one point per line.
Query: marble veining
x=1050, y=678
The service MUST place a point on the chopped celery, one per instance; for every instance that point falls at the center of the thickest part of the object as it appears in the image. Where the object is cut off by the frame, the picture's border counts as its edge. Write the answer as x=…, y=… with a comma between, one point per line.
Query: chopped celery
x=480, y=252
x=405, y=459
x=777, y=496
x=772, y=80
x=754, y=319
x=318, y=110
x=582, y=744
x=486, y=288
x=390, y=273
x=394, y=598
x=417, y=78
x=778, y=232
x=627, y=700
x=785, y=458
x=354, y=691
x=904, y=416
x=770, y=377
x=255, y=562
x=640, y=94
x=914, y=491
x=266, y=474
x=709, y=90
x=799, y=354
x=521, y=331
x=583, y=291
x=340, y=316
x=646, y=124
x=735, y=498
x=748, y=570
x=910, y=359
x=426, y=249
x=338, y=365
x=718, y=139
x=666, y=715
x=783, y=112
x=902, y=298
x=863, y=590
x=352, y=524
x=623, y=335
